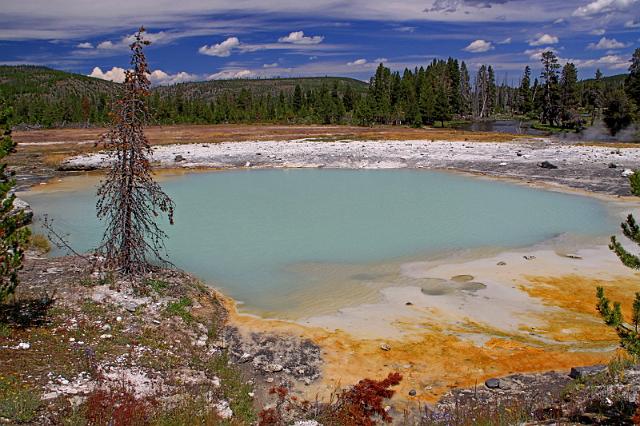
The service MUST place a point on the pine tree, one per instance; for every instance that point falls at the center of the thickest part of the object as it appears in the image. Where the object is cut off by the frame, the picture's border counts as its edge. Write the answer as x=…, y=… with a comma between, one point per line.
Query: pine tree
x=13, y=231
x=525, y=104
x=569, y=102
x=128, y=198
x=465, y=90
x=612, y=315
x=550, y=98
x=297, y=98
x=617, y=112
x=632, y=83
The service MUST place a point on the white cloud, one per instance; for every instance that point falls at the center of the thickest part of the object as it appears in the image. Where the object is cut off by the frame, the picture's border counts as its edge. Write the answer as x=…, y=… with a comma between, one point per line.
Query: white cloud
x=505, y=41
x=273, y=65
x=606, y=43
x=106, y=45
x=298, y=37
x=380, y=60
x=632, y=24
x=559, y=21
x=114, y=74
x=406, y=29
x=544, y=40
x=614, y=62
x=221, y=49
x=598, y=31
x=157, y=77
x=161, y=78
x=85, y=45
x=357, y=62
x=231, y=74
x=536, y=54
x=597, y=7
x=478, y=46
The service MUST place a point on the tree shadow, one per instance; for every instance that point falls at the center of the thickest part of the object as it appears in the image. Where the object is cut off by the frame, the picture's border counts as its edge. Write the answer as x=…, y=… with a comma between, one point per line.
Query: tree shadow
x=27, y=312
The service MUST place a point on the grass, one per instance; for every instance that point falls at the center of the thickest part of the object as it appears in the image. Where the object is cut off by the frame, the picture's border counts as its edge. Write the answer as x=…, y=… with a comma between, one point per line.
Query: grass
x=180, y=309
x=18, y=403
x=158, y=286
x=5, y=330
x=39, y=243
x=235, y=390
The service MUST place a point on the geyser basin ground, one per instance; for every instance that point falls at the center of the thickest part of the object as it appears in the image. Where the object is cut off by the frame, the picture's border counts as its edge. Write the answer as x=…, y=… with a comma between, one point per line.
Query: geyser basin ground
x=267, y=236
x=430, y=263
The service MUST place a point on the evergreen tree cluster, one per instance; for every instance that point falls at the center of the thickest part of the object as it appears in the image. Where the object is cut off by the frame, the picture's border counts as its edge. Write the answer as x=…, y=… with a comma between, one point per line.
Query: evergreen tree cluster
x=443, y=90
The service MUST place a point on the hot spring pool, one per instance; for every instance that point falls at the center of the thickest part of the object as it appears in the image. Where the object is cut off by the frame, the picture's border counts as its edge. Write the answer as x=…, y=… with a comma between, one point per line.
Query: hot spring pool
x=264, y=236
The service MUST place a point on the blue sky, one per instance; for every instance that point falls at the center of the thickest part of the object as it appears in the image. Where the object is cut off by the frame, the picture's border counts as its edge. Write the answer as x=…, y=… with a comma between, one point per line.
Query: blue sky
x=211, y=39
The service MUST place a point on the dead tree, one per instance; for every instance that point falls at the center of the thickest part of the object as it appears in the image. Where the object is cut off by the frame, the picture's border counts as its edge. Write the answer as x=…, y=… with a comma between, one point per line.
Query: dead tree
x=129, y=200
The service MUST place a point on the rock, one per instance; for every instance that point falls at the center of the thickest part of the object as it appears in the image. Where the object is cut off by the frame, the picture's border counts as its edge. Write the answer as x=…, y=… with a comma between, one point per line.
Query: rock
x=528, y=257
x=413, y=392
x=492, y=383
x=246, y=357
x=130, y=306
x=547, y=165
x=385, y=347
x=307, y=423
x=223, y=410
x=247, y=164
x=106, y=336
x=573, y=256
x=269, y=380
x=272, y=368
x=501, y=263
x=178, y=158
x=626, y=172
x=118, y=319
x=215, y=381
x=612, y=166
x=23, y=345
x=409, y=304
x=579, y=372
x=307, y=381
x=503, y=164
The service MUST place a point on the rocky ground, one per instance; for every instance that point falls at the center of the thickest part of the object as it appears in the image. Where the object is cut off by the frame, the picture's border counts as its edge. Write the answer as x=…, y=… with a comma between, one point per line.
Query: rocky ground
x=72, y=336
x=602, y=169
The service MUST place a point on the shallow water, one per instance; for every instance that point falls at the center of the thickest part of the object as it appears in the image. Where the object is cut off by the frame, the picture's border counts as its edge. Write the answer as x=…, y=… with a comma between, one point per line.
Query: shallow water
x=275, y=238
x=517, y=127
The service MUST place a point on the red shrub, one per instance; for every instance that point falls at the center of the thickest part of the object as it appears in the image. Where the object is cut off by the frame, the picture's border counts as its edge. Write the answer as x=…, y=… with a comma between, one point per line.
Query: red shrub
x=117, y=408
x=361, y=404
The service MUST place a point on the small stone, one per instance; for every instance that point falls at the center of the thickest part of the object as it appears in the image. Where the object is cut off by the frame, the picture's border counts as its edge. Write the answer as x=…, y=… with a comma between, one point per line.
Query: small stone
x=547, y=165
x=307, y=381
x=579, y=372
x=573, y=256
x=178, y=158
x=501, y=263
x=223, y=410
x=272, y=368
x=627, y=172
x=413, y=392
x=247, y=164
x=492, y=383
x=106, y=336
x=503, y=164
x=269, y=380
x=72, y=339
x=215, y=381
x=409, y=304
x=246, y=357
x=118, y=319
x=23, y=345
x=528, y=257
x=385, y=347
x=251, y=394
x=612, y=166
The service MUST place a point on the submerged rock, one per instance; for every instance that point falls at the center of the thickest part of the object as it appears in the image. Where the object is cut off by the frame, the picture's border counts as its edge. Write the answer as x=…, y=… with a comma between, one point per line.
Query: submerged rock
x=492, y=383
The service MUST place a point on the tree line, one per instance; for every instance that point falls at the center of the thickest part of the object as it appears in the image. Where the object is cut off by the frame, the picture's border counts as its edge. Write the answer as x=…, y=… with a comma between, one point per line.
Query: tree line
x=444, y=90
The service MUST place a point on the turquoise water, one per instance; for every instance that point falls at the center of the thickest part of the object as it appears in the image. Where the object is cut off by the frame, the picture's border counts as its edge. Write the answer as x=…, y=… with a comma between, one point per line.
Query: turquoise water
x=248, y=231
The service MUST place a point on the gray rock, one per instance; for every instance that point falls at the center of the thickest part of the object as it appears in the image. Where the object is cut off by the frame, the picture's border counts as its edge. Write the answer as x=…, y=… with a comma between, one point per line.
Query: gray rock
x=492, y=383
x=413, y=392
x=178, y=158
x=612, y=166
x=547, y=165
x=580, y=372
x=272, y=368
x=501, y=263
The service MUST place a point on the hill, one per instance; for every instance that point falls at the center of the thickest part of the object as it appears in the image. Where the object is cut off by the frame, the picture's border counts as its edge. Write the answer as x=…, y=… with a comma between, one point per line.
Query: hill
x=45, y=97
